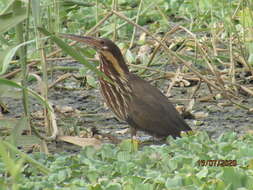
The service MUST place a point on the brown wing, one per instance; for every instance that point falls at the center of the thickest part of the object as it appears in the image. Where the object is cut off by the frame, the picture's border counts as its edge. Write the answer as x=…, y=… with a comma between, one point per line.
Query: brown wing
x=152, y=112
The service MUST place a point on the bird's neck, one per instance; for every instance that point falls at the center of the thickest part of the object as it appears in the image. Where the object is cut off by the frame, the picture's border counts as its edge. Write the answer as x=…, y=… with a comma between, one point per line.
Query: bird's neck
x=113, y=68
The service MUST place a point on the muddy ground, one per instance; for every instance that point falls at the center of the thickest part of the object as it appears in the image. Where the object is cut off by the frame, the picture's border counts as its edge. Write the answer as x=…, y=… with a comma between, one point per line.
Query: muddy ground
x=89, y=110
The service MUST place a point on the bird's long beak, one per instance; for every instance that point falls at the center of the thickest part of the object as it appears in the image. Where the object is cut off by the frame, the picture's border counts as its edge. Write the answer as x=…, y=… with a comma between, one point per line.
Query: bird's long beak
x=91, y=41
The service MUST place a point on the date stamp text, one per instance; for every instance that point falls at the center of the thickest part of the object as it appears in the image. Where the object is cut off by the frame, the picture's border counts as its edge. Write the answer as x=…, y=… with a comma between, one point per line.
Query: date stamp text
x=217, y=163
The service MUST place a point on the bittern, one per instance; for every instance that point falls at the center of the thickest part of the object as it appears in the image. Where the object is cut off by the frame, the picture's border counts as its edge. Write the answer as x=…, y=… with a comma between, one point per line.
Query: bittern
x=131, y=98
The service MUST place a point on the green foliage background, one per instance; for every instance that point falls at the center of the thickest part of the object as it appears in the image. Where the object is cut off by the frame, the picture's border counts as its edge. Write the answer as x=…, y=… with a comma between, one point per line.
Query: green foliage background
x=174, y=166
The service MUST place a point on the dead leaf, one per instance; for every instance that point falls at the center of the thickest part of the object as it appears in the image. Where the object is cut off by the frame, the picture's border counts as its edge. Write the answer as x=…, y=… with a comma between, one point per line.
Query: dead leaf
x=250, y=110
x=123, y=131
x=224, y=104
x=190, y=105
x=207, y=98
x=180, y=109
x=83, y=142
x=200, y=115
x=182, y=83
x=249, y=91
x=250, y=132
x=3, y=108
x=64, y=109
x=142, y=37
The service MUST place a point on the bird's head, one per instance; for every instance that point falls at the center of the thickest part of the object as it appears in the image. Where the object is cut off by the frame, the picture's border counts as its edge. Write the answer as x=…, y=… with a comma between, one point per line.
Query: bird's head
x=109, y=51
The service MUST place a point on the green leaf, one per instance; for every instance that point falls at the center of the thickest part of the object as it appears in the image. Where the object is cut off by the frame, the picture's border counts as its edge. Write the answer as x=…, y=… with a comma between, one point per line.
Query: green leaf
x=91, y=81
x=11, y=20
x=62, y=175
x=113, y=186
x=220, y=185
x=36, y=11
x=8, y=54
x=202, y=173
x=129, y=145
x=92, y=176
x=40, y=99
x=173, y=164
x=35, y=163
x=10, y=83
x=177, y=181
x=113, y=168
x=232, y=176
x=95, y=187
x=8, y=8
x=145, y=186
x=124, y=156
x=245, y=17
x=8, y=161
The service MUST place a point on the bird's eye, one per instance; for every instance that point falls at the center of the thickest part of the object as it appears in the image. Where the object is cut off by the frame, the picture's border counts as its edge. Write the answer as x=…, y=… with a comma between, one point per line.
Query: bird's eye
x=103, y=45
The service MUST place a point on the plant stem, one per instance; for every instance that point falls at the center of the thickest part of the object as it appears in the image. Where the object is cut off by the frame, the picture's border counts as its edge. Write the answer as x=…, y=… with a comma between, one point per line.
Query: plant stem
x=17, y=6
x=136, y=21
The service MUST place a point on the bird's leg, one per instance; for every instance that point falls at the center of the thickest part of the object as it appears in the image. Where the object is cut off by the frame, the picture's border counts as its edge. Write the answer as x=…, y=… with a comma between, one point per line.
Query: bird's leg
x=133, y=132
x=134, y=143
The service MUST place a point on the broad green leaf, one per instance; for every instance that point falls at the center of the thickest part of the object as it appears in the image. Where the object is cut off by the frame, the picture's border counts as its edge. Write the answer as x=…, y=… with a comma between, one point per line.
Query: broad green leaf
x=9, y=163
x=245, y=17
x=123, y=156
x=129, y=145
x=12, y=165
x=113, y=186
x=35, y=163
x=176, y=181
x=220, y=185
x=232, y=176
x=8, y=54
x=9, y=91
x=11, y=83
x=62, y=175
x=11, y=20
x=95, y=187
x=36, y=11
x=144, y=186
x=91, y=81
x=173, y=164
x=249, y=181
x=112, y=168
x=40, y=99
x=92, y=176
x=7, y=9
x=202, y=173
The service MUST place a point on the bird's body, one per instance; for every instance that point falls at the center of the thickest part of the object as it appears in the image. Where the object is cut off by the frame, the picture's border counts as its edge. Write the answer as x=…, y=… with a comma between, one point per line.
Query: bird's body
x=131, y=98
x=142, y=110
